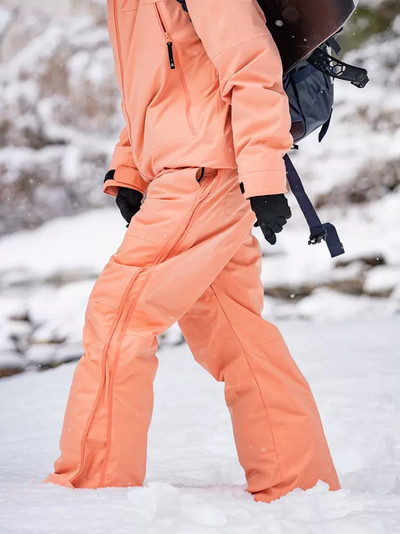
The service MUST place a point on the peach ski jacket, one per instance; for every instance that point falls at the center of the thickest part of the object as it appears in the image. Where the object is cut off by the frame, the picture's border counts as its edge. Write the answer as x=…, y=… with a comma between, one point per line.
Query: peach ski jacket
x=202, y=88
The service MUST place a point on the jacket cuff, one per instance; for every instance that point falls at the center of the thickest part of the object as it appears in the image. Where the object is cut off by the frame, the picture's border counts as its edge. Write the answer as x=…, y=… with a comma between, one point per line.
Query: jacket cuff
x=260, y=183
x=123, y=177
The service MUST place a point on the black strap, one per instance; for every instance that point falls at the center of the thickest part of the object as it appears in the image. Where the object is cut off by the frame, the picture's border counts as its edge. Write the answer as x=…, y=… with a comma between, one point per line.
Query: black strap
x=302, y=74
x=334, y=45
x=327, y=64
x=318, y=231
x=324, y=127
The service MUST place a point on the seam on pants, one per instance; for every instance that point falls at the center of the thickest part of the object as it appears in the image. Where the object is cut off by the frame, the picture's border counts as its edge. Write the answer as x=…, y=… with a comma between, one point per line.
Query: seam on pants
x=111, y=390
x=102, y=378
x=263, y=343
x=254, y=376
x=137, y=335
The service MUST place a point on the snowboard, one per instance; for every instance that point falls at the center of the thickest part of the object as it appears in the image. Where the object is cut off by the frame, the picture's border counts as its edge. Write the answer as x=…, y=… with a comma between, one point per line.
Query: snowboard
x=300, y=26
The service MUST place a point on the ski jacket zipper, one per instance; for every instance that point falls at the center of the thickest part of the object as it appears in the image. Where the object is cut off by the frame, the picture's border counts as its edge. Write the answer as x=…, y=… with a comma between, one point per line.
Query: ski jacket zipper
x=167, y=38
x=174, y=63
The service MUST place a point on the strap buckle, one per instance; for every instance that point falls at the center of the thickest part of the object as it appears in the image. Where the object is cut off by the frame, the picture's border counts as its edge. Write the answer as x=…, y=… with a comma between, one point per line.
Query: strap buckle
x=315, y=239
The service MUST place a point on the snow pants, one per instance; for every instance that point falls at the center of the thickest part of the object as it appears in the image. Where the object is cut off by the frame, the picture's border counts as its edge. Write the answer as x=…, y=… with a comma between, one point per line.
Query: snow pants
x=189, y=255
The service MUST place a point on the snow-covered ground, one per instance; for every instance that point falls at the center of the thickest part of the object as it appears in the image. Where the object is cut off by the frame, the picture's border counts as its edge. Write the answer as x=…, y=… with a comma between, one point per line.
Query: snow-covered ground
x=194, y=484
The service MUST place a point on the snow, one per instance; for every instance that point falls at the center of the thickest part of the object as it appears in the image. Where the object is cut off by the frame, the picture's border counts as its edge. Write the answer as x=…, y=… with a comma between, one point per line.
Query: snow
x=326, y=305
x=64, y=244
x=194, y=484
x=382, y=279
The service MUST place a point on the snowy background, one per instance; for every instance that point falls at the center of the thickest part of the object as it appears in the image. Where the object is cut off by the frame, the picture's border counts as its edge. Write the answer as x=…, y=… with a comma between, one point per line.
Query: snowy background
x=59, y=120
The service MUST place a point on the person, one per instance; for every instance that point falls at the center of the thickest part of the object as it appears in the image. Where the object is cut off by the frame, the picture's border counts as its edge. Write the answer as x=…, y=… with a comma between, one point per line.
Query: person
x=198, y=162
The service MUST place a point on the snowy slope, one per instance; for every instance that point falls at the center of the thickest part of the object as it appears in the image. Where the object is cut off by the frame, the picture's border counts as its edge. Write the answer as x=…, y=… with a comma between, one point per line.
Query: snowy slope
x=194, y=484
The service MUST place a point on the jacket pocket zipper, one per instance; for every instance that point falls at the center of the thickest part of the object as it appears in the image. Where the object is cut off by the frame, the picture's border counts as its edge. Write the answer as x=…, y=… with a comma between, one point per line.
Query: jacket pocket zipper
x=179, y=70
x=167, y=38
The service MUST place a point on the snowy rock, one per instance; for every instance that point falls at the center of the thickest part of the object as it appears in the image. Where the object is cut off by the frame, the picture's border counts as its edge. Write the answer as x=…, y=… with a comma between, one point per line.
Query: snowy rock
x=60, y=113
x=325, y=305
x=382, y=280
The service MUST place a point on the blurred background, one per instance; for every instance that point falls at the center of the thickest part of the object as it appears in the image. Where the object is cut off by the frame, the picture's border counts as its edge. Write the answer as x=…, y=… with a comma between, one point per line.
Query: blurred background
x=59, y=120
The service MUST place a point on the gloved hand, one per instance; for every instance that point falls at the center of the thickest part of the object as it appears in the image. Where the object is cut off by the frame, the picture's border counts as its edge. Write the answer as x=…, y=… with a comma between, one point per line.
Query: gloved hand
x=128, y=201
x=272, y=213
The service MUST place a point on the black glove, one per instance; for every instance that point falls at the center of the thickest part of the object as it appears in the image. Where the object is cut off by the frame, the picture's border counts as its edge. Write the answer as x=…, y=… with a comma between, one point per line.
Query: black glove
x=272, y=213
x=128, y=201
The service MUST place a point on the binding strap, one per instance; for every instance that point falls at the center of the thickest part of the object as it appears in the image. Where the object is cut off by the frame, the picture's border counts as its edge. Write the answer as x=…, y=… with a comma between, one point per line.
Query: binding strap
x=318, y=231
x=336, y=68
x=332, y=43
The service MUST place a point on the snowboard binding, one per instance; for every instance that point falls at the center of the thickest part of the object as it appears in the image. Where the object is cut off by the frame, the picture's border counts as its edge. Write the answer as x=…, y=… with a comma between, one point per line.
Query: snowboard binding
x=336, y=68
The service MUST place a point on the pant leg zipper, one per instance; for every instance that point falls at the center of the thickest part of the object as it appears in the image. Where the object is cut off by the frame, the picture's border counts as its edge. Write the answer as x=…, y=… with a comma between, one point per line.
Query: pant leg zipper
x=189, y=223
x=167, y=38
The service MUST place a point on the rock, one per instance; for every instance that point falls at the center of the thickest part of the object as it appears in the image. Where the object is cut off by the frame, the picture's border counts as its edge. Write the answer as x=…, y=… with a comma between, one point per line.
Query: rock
x=381, y=281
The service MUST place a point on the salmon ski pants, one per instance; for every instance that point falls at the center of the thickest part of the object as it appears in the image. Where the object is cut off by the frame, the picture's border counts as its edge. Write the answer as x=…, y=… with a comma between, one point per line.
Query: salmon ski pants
x=189, y=255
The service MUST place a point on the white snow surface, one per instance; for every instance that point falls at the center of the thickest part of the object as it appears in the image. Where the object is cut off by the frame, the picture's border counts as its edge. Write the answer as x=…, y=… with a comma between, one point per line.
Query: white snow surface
x=194, y=483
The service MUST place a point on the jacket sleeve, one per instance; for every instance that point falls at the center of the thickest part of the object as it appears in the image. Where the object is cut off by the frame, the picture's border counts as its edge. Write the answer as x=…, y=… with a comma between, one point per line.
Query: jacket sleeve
x=125, y=173
x=238, y=42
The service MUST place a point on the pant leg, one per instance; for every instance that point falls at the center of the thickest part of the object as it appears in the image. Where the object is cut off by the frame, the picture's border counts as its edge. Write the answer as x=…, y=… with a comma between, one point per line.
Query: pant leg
x=178, y=242
x=276, y=424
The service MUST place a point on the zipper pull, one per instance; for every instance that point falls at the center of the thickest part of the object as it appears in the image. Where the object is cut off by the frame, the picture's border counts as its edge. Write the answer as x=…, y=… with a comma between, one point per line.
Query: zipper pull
x=170, y=53
x=167, y=37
